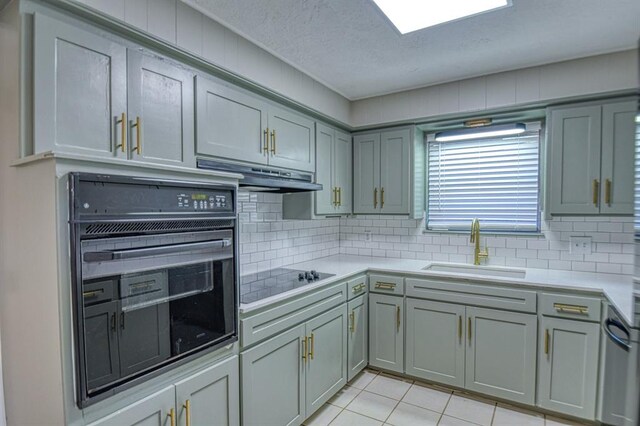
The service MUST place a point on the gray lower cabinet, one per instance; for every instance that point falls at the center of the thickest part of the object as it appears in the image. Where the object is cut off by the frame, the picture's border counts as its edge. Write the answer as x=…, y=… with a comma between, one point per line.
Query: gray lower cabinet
x=160, y=101
x=591, y=158
x=568, y=366
x=386, y=332
x=208, y=397
x=501, y=354
x=435, y=348
x=286, y=378
x=358, y=336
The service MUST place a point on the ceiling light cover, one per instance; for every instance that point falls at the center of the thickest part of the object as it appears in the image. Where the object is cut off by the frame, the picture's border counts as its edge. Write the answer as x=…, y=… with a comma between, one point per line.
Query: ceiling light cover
x=479, y=133
x=413, y=15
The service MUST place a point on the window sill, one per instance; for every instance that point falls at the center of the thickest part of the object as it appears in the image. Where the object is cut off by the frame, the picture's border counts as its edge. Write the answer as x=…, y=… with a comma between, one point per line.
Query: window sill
x=506, y=233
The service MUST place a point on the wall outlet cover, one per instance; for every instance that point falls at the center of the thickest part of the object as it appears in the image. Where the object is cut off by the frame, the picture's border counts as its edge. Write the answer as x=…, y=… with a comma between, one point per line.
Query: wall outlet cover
x=580, y=245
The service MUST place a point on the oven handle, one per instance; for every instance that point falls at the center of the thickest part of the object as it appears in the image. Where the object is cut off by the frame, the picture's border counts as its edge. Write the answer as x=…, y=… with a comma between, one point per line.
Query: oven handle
x=104, y=256
x=623, y=343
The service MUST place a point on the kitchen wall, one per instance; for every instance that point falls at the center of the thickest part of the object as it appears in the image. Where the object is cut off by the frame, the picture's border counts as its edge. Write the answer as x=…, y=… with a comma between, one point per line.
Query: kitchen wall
x=267, y=241
x=612, y=243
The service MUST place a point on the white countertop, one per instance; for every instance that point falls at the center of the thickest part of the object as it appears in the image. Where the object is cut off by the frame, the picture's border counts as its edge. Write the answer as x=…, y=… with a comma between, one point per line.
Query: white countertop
x=618, y=289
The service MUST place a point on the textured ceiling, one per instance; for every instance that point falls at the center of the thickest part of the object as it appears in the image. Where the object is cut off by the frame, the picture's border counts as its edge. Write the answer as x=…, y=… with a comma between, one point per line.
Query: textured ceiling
x=351, y=47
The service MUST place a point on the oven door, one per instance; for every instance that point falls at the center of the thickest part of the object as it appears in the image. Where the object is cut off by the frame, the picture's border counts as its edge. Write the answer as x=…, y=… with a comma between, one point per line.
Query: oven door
x=153, y=299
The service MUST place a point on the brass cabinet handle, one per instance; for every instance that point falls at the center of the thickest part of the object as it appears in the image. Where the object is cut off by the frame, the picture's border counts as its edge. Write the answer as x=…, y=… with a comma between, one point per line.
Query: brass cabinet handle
x=187, y=408
x=265, y=148
x=375, y=198
x=607, y=192
x=546, y=341
x=596, y=185
x=469, y=329
x=381, y=197
x=123, y=130
x=138, y=126
x=459, y=327
x=304, y=349
x=94, y=293
x=113, y=322
x=571, y=309
x=398, y=316
x=311, y=347
x=172, y=416
x=335, y=196
x=273, y=142
x=339, y=196
x=358, y=288
x=385, y=286
x=352, y=317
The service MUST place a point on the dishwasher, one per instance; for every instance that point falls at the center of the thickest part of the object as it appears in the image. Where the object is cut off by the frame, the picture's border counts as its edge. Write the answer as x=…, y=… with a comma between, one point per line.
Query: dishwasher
x=621, y=375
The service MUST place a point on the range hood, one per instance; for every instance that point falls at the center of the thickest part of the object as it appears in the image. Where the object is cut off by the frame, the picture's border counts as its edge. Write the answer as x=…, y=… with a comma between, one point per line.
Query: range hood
x=258, y=178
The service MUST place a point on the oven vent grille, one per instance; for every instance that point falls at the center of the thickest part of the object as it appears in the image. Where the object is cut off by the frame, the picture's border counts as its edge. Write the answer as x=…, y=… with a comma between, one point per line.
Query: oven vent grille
x=152, y=227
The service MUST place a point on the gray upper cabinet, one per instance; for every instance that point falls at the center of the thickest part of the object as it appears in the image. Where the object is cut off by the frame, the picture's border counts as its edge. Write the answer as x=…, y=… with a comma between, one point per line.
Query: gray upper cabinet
x=386, y=332
x=214, y=393
x=326, y=361
x=358, y=342
x=80, y=91
x=236, y=125
x=333, y=171
x=381, y=172
x=273, y=386
x=591, y=159
x=231, y=124
x=501, y=354
x=568, y=366
x=435, y=348
x=160, y=105
x=292, y=142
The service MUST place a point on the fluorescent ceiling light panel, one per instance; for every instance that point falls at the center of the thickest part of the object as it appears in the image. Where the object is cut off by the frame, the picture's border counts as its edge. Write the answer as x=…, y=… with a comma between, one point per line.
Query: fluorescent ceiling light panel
x=412, y=15
x=480, y=132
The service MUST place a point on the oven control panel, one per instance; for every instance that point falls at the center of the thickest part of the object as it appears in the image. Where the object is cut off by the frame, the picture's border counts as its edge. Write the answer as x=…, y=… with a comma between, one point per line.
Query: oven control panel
x=203, y=201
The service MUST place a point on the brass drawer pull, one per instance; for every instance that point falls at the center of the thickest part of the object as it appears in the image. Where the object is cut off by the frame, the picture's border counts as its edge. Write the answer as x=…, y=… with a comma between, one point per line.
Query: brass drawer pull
x=459, y=327
x=88, y=294
x=358, y=288
x=339, y=196
x=381, y=197
x=187, y=408
x=273, y=142
x=607, y=192
x=596, y=185
x=398, y=317
x=138, y=126
x=469, y=328
x=385, y=286
x=571, y=309
x=335, y=196
x=123, y=130
x=172, y=417
x=352, y=317
x=375, y=198
x=546, y=341
x=311, y=347
x=265, y=148
x=304, y=349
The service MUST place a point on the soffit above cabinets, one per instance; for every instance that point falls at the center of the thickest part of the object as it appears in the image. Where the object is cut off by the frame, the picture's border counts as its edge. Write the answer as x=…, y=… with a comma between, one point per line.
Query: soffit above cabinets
x=350, y=46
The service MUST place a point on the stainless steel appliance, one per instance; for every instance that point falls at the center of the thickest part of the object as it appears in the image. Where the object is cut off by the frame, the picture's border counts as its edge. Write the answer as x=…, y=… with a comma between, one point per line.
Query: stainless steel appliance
x=265, y=284
x=259, y=178
x=620, y=375
x=154, y=277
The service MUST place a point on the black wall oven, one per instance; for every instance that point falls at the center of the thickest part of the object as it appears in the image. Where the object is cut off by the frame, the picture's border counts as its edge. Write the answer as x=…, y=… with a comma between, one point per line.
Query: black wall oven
x=154, y=277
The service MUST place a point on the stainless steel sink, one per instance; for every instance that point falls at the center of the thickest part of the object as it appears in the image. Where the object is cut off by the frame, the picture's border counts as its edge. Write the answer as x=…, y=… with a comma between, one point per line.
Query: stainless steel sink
x=489, y=271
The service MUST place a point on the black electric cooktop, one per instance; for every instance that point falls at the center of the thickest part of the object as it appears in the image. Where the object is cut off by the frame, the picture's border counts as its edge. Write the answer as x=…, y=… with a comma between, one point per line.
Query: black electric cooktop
x=265, y=284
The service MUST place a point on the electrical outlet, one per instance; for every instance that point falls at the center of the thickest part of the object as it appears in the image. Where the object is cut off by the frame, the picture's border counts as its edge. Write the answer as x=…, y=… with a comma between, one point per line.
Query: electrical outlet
x=580, y=245
x=367, y=235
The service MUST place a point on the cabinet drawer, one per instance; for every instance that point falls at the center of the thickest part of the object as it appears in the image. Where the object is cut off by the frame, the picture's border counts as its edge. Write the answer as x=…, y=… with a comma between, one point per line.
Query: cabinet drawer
x=357, y=287
x=274, y=320
x=386, y=284
x=472, y=294
x=97, y=292
x=568, y=306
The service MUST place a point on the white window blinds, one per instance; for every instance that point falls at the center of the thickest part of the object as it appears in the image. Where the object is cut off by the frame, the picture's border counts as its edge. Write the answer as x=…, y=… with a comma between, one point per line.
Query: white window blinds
x=637, y=179
x=495, y=180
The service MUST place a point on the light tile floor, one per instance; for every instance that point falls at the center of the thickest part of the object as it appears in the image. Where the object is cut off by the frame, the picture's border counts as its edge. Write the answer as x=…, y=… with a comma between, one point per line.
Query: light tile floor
x=378, y=399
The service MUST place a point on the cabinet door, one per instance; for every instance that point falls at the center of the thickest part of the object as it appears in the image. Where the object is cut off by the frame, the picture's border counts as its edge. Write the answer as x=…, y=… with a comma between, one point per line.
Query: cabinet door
x=292, y=140
x=230, y=123
x=435, y=341
x=101, y=344
x=326, y=362
x=153, y=410
x=272, y=376
x=568, y=361
x=343, y=167
x=366, y=173
x=501, y=354
x=213, y=396
x=325, y=146
x=575, y=160
x=358, y=344
x=144, y=338
x=395, y=155
x=161, y=96
x=618, y=137
x=80, y=90
x=386, y=334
